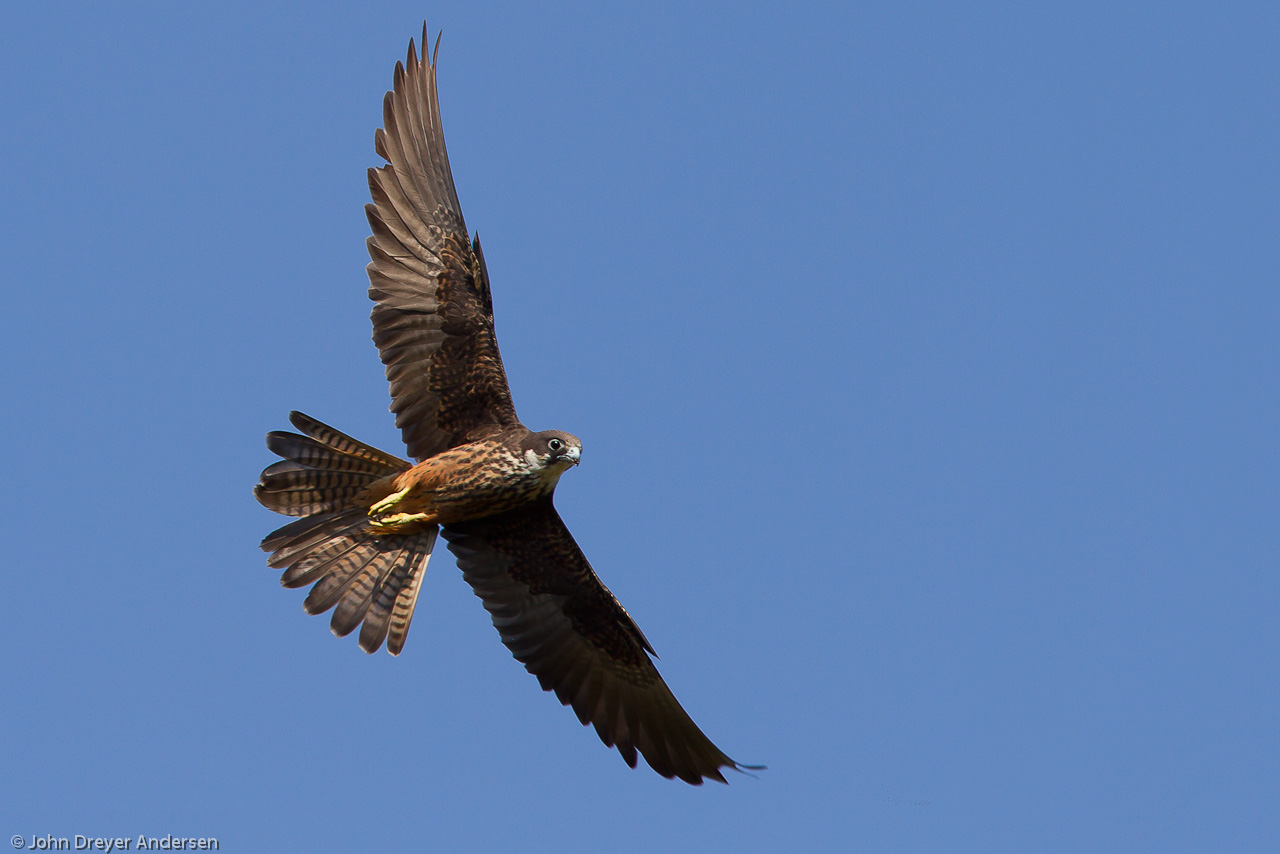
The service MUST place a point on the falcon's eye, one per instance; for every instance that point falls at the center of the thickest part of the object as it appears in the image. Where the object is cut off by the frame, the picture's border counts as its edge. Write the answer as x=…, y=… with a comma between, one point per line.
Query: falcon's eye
x=555, y=444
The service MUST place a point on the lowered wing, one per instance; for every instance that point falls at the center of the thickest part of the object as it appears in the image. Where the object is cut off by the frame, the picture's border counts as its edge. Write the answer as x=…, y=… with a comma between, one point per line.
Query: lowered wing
x=568, y=630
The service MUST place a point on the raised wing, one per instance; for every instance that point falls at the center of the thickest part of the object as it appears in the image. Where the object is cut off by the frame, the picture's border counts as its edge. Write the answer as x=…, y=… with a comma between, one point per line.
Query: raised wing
x=433, y=322
x=564, y=625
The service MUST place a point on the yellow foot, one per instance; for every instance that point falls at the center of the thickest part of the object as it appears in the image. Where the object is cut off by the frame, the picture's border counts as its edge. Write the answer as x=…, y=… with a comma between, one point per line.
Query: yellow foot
x=400, y=523
x=388, y=503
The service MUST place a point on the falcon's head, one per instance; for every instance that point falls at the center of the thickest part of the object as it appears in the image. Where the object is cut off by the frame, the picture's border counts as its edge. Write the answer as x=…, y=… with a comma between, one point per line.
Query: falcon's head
x=552, y=452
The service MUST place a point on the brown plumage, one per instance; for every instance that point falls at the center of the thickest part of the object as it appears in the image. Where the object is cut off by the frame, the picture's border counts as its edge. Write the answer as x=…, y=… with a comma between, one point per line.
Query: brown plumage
x=372, y=578
x=370, y=519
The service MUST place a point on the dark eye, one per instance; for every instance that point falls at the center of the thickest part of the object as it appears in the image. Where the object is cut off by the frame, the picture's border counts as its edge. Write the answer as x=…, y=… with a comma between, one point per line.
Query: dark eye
x=555, y=444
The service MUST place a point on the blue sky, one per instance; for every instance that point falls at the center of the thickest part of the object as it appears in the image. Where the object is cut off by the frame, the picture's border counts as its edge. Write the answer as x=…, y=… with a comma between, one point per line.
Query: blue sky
x=925, y=358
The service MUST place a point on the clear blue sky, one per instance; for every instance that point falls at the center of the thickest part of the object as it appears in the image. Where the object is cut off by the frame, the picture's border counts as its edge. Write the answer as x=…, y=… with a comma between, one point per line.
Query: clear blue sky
x=925, y=357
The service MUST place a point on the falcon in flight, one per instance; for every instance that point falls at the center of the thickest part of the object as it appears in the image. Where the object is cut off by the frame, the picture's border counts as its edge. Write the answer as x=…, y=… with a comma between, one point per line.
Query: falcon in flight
x=369, y=520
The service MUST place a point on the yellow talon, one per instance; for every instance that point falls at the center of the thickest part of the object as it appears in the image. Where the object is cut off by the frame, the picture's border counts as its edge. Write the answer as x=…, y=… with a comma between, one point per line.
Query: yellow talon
x=389, y=502
x=397, y=523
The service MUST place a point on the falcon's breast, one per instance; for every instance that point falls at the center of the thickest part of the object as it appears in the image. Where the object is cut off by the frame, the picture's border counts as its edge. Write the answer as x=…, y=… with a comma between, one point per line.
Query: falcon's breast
x=484, y=478
x=475, y=480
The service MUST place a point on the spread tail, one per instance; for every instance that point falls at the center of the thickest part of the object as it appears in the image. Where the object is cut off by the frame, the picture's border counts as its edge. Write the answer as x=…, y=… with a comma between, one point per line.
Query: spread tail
x=326, y=478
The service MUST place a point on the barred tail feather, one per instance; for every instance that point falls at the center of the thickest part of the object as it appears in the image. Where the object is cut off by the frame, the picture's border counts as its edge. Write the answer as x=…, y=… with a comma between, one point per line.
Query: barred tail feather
x=365, y=577
x=322, y=471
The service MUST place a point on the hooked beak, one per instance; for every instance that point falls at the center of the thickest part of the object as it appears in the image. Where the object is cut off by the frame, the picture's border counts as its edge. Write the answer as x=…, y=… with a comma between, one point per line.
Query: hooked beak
x=573, y=455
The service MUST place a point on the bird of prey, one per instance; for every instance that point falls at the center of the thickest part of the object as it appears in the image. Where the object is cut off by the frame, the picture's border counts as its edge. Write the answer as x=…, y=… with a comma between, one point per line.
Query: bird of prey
x=370, y=519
